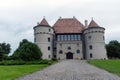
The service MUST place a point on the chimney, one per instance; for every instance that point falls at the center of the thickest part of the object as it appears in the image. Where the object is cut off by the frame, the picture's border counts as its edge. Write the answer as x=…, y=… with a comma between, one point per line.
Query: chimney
x=86, y=23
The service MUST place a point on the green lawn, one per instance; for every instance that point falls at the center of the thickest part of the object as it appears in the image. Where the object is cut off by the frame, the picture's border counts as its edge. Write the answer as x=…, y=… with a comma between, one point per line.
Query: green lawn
x=112, y=66
x=12, y=72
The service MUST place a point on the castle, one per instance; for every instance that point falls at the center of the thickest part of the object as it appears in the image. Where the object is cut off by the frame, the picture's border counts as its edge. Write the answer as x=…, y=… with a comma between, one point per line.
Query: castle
x=70, y=39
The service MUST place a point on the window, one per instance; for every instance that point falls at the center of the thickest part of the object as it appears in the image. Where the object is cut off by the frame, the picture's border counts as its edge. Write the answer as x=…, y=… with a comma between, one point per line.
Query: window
x=69, y=37
x=90, y=47
x=79, y=37
x=48, y=39
x=78, y=51
x=60, y=51
x=49, y=56
x=58, y=37
x=34, y=39
x=49, y=30
x=89, y=37
x=48, y=47
x=62, y=37
x=75, y=37
x=103, y=38
x=65, y=37
x=69, y=48
x=91, y=55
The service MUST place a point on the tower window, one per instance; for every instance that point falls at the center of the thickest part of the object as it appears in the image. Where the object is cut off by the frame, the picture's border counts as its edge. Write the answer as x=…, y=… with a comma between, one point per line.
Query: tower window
x=34, y=39
x=89, y=37
x=49, y=56
x=49, y=30
x=48, y=39
x=91, y=55
x=48, y=47
x=103, y=38
x=78, y=51
x=90, y=47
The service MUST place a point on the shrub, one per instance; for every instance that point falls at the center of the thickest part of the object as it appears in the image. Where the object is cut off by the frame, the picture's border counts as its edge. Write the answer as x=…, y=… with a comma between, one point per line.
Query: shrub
x=12, y=62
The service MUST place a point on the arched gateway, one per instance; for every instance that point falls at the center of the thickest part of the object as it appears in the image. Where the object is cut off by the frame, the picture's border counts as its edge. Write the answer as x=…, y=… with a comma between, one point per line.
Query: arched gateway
x=69, y=55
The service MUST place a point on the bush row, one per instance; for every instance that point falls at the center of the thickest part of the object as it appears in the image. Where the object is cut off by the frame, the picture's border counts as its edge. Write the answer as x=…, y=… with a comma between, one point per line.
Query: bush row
x=20, y=62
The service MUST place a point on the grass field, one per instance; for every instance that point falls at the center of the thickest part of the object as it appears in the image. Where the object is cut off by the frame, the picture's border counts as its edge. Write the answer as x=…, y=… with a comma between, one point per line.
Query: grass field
x=12, y=72
x=112, y=66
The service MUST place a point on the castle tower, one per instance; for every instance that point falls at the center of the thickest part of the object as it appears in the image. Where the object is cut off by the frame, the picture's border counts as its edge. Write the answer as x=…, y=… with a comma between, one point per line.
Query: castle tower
x=94, y=42
x=43, y=37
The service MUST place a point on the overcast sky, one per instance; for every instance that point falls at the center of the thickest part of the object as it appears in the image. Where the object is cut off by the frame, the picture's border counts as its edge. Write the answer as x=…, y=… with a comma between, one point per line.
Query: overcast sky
x=18, y=17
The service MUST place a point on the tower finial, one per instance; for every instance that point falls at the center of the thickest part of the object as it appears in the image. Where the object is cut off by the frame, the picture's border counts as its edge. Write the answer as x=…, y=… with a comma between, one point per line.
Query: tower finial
x=43, y=16
x=60, y=17
x=92, y=18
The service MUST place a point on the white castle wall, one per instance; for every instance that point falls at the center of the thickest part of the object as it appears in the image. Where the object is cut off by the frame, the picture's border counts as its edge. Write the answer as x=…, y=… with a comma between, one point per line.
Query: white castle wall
x=75, y=45
x=95, y=38
x=41, y=35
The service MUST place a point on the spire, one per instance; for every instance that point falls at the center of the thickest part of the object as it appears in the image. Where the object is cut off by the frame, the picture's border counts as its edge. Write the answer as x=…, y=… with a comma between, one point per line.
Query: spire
x=93, y=24
x=44, y=22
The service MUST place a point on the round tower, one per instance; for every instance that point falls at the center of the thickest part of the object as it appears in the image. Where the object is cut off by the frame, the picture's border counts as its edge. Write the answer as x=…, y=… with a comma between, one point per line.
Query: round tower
x=43, y=37
x=94, y=42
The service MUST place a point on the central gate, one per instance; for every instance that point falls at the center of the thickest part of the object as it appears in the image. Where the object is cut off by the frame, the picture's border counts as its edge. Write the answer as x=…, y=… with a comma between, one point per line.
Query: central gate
x=69, y=55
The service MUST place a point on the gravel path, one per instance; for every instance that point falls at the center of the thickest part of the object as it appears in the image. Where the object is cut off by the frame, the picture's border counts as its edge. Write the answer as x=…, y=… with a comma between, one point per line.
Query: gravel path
x=71, y=70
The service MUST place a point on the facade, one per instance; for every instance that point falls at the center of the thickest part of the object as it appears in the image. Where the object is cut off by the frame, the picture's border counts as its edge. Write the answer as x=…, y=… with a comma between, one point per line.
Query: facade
x=70, y=39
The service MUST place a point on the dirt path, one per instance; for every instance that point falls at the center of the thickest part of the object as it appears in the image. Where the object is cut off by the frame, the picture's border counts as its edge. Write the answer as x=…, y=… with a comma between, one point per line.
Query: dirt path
x=71, y=70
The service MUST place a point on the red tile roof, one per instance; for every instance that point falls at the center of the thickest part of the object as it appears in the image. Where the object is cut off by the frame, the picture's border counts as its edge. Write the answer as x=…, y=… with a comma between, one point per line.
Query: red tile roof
x=93, y=24
x=68, y=25
x=44, y=22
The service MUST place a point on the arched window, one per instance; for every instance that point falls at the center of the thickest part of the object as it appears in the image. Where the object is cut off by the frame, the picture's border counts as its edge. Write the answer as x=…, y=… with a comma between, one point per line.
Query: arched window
x=90, y=47
x=78, y=51
x=60, y=51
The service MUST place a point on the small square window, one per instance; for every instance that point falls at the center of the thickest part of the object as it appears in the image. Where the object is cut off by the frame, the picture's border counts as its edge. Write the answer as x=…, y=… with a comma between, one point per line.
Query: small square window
x=89, y=37
x=48, y=39
x=49, y=30
x=78, y=51
x=48, y=47
x=90, y=47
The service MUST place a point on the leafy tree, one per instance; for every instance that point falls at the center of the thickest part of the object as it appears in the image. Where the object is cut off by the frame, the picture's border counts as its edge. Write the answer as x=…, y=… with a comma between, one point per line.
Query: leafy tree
x=4, y=50
x=27, y=51
x=113, y=49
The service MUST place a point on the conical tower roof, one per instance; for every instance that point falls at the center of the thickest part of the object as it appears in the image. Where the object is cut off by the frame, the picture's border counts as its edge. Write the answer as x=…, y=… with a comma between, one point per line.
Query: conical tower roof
x=44, y=22
x=93, y=24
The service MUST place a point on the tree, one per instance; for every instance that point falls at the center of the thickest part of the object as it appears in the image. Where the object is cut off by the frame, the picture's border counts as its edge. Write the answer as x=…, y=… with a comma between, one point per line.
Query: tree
x=4, y=50
x=27, y=51
x=113, y=49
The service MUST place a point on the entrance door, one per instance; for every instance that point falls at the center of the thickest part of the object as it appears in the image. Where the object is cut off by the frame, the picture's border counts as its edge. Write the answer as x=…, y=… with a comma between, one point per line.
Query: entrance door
x=69, y=55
